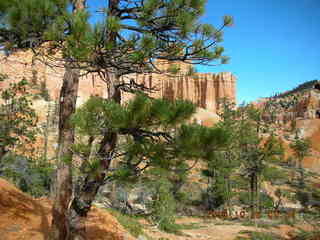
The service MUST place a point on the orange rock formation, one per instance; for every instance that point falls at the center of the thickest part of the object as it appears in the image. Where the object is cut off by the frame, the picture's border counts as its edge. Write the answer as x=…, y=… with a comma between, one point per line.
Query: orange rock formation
x=203, y=89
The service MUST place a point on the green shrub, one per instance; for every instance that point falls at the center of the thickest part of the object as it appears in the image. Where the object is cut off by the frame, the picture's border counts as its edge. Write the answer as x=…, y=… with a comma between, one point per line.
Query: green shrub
x=289, y=195
x=130, y=223
x=259, y=236
x=307, y=235
x=275, y=175
x=303, y=197
x=266, y=202
x=163, y=207
x=244, y=198
x=215, y=196
x=29, y=175
x=260, y=224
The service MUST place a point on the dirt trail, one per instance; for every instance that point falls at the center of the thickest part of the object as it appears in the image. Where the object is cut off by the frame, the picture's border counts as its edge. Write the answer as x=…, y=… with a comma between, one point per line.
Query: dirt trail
x=212, y=230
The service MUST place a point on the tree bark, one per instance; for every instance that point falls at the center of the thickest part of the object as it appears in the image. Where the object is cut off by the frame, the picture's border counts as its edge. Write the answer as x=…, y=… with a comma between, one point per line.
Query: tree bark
x=46, y=136
x=252, y=192
x=63, y=184
x=87, y=190
x=84, y=196
x=2, y=152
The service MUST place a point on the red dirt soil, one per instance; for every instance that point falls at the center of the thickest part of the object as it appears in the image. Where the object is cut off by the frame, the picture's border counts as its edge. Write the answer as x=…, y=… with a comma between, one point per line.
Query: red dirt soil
x=315, y=139
x=25, y=218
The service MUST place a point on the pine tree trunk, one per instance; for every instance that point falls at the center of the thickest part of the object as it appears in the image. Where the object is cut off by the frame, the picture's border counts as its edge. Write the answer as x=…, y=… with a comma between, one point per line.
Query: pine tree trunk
x=46, y=136
x=63, y=184
x=256, y=192
x=2, y=152
x=86, y=192
x=301, y=174
x=252, y=190
x=228, y=187
x=84, y=196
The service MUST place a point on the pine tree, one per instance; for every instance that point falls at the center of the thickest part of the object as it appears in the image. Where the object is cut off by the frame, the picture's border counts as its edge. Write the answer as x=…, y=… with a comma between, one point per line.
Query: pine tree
x=24, y=24
x=301, y=148
x=222, y=162
x=18, y=119
x=155, y=139
x=132, y=37
x=254, y=153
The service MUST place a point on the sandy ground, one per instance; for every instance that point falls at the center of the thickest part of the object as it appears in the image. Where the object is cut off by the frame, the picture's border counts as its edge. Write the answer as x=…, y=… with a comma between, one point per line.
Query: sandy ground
x=25, y=218
x=211, y=230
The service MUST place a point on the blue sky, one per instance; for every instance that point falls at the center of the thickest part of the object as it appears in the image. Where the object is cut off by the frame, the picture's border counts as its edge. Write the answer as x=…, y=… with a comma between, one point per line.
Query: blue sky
x=274, y=45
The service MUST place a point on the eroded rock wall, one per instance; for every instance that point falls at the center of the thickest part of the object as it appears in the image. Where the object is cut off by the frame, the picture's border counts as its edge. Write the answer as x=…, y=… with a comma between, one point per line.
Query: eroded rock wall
x=301, y=105
x=21, y=65
x=203, y=89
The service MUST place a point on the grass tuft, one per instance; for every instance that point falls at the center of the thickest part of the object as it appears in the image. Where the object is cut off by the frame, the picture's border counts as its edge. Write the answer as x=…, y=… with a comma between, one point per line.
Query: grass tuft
x=130, y=223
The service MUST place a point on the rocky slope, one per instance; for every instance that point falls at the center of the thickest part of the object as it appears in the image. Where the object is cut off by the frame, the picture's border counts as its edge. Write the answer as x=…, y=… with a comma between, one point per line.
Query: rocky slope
x=302, y=102
x=302, y=105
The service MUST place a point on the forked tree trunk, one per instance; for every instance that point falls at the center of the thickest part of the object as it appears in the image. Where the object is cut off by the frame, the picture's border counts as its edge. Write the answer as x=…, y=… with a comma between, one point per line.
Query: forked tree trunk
x=86, y=191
